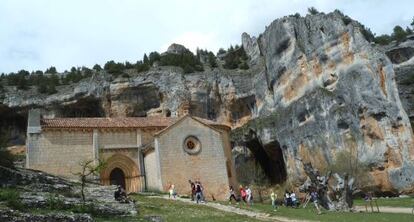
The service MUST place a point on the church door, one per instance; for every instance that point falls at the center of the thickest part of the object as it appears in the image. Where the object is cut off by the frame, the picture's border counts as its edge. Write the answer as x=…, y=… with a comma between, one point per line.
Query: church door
x=117, y=177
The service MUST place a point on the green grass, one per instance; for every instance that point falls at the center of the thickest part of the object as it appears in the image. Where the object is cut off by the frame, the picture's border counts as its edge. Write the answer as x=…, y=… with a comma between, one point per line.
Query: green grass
x=173, y=210
x=309, y=213
x=390, y=202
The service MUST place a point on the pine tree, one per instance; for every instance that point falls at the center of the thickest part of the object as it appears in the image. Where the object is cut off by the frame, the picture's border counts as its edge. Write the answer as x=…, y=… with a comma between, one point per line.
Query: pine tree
x=145, y=59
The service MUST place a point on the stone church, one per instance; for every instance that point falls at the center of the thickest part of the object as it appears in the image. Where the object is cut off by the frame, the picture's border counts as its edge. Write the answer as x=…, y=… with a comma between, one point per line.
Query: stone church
x=141, y=153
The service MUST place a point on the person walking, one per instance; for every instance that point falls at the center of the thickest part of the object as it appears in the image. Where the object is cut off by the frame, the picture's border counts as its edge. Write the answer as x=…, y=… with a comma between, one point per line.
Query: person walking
x=232, y=195
x=198, y=192
x=315, y=201
x=249, y=196
x=171, y=192
x=243, y=193
x=273, y=197
x=192, y=185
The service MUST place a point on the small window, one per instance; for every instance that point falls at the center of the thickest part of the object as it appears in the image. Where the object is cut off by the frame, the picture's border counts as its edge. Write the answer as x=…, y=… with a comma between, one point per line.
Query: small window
x=192, y=145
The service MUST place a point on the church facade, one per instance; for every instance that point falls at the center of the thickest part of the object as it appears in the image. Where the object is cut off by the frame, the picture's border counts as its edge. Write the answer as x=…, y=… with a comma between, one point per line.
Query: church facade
x=140, y=153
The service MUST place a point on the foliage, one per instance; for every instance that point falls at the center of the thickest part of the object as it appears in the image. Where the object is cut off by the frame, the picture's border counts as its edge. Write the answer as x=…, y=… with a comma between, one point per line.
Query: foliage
x=114, y=68
x=186, y=60
x=399, y=33
x=235, y=58
x=6, y=158
x=383, y=39
x=88, y=168
x=19, y=79
x=12, y=198
x=51, y=70
x=54, y=202
x=97, y=67
x=313, y=11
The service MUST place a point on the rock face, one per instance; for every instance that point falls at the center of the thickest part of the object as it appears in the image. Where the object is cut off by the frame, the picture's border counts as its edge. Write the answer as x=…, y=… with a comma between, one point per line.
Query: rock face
x=328, y=91
x=402, y=57
x=315, y=88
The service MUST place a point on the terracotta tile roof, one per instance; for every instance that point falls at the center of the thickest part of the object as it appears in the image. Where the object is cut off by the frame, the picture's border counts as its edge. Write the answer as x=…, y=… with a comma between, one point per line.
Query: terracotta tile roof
x=118, y=122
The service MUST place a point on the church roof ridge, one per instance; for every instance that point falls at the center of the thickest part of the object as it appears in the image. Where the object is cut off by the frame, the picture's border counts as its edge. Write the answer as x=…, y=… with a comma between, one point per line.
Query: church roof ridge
x=107, y=122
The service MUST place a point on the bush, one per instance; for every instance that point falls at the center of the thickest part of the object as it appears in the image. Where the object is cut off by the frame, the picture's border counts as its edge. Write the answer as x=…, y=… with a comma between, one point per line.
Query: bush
x=53, y=202
x=97, y=67
x=383, y=39
x=114, y=68
x=235, y=58
x=313, y=11
x=12, y=198
x=399, y=34
x=186, y=60
x=51, y=70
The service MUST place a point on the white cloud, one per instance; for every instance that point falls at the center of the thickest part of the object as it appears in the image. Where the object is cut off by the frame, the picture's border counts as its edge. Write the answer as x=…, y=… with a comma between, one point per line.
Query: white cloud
x=38, y=34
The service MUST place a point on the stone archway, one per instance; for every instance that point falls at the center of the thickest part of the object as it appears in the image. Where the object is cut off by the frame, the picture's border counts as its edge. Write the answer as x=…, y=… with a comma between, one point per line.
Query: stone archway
x=117, y=177
x=120, y=163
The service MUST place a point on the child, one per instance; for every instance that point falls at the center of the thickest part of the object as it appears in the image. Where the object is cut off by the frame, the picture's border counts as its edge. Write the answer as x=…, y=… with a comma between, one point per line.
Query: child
x=273, y=197
x=171, y=192
x=232, y=195
x=243, y=193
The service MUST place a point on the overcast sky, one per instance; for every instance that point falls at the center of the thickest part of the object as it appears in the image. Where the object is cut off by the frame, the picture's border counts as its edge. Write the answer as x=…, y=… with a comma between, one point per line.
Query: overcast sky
x=38, y=34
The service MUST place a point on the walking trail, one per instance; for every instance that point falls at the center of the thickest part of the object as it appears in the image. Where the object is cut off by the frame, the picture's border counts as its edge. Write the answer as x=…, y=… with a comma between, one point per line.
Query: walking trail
x=385, y=209
x=236, y=210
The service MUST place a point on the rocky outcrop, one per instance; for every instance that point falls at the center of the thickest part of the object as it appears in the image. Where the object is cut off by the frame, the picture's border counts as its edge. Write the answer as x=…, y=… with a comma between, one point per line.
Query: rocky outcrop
x=7, y=215
x=315, y=88
x=329, y=91
x=40, y=190
x=402, y=57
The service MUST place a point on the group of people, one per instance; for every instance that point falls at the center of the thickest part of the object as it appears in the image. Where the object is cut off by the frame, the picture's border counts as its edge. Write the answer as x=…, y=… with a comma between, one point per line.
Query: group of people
x=197, y=193
x=245, y=194
x=291, y=200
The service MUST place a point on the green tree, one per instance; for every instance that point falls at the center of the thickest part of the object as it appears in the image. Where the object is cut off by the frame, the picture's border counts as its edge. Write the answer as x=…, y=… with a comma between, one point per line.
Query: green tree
x=88, y=168
x=212, y=60
x=153, y=57
x=383, y=39
x=114, y=68
x=399, y=34
x=412, y=23
x=145, y=59
x=97, y=67
x=51, y=70
x=313, y=11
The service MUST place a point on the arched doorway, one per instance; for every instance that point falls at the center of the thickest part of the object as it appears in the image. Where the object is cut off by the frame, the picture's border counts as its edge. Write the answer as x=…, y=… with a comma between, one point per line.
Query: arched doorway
x=117, y=177
x=120, y=166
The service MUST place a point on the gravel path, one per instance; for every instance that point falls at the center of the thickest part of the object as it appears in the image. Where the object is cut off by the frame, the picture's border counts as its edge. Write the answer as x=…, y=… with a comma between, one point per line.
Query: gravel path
x=399, y=210
x=236, y=210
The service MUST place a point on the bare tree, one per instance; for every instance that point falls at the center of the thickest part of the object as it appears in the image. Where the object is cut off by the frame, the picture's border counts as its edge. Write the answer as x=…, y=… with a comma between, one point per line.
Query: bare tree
x=88, y=168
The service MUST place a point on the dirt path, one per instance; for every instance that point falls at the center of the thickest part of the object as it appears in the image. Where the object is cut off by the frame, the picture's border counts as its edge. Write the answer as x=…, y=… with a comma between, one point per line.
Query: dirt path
x=399, y=210
x=236, y=210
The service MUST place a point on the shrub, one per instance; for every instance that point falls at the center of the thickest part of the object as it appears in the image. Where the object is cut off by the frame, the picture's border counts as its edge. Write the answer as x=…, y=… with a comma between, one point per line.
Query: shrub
x=313, y=11
x=97, y=67
x=51, y=70
x=12, y=198
x=53, y=202
x=383, y=39
x=235, y=58
x=114, y=68
x=399, y=34
x=186, y=60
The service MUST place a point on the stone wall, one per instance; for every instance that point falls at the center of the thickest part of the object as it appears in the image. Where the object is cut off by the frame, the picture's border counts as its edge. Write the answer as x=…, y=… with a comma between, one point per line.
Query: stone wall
x=208, y=165
x=152, y=172
x=59, y=152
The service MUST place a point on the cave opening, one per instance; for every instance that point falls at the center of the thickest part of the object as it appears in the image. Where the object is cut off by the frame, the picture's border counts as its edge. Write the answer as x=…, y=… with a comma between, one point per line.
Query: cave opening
x=85, y=107
x=270, y=158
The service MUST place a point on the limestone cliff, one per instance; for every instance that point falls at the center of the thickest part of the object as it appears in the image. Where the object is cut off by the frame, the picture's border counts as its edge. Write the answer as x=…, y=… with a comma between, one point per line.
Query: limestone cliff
x=315, y=88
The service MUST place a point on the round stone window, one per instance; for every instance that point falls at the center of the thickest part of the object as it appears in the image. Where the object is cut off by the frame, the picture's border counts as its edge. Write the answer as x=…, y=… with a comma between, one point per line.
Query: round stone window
x=192, y=145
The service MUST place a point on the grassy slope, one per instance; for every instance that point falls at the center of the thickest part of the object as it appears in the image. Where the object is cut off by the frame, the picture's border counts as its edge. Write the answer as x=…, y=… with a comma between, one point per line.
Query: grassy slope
x=171, y=210
x=390, y=202
x=309, y=213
